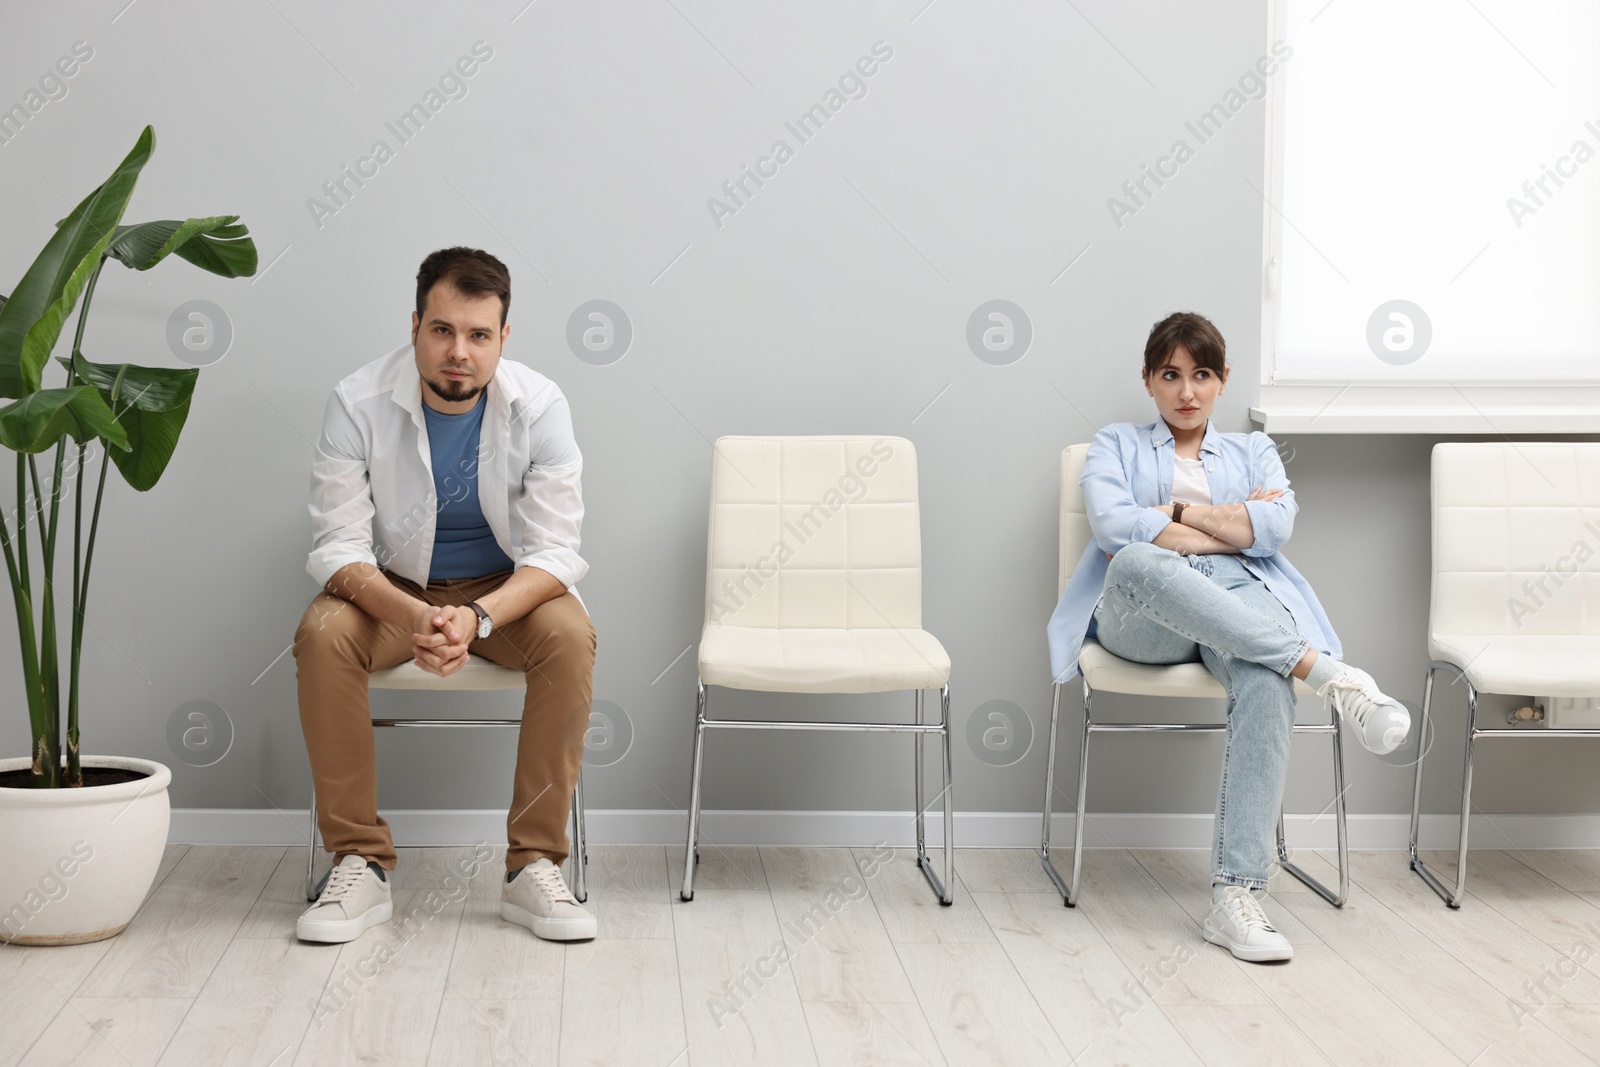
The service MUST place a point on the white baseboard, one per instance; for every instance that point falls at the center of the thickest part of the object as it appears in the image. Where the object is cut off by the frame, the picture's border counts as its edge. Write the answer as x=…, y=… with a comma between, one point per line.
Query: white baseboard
x=974, y=829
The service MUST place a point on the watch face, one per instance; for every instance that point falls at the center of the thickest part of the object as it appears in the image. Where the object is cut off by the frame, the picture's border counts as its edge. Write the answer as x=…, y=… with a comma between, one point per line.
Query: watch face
x=483, y=627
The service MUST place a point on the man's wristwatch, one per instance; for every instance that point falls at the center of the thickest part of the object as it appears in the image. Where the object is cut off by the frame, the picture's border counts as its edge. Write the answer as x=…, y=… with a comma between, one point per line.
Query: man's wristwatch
x=485, y=624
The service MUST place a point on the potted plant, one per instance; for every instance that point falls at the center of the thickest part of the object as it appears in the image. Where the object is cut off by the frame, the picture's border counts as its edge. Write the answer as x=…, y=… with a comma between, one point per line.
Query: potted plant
x=81, y=836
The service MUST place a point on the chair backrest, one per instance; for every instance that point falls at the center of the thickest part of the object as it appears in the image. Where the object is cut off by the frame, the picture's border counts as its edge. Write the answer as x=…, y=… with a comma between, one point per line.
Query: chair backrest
x=1516, y=539
x=814, y=532
x=1075, y=532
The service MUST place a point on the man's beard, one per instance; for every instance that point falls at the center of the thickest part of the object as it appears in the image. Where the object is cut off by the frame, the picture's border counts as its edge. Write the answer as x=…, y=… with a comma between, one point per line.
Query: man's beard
x=454, y=392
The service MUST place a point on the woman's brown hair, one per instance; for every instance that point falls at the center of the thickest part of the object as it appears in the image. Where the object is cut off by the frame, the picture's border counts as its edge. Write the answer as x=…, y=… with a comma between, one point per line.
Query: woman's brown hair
x=1190, y=331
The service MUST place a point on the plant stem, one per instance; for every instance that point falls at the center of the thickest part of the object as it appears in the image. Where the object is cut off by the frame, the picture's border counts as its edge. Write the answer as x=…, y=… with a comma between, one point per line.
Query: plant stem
x=88, y=555
x=83, y=311
x=46, y=741
x=48, y=664
x=24, y=620
x=76, y=650
x=22, y=518
x=74, y=774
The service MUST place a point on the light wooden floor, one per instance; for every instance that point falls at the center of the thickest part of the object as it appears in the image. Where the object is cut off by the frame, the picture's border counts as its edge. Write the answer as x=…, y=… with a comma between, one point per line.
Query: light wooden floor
x=210, y=973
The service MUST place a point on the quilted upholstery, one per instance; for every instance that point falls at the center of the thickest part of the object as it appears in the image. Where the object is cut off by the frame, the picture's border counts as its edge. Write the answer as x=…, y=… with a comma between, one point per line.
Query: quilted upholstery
x=1516, y=565
x=814, y=568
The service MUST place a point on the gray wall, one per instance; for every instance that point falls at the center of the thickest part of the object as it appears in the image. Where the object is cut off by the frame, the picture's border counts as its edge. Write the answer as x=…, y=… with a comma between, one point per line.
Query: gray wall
x=977, y=166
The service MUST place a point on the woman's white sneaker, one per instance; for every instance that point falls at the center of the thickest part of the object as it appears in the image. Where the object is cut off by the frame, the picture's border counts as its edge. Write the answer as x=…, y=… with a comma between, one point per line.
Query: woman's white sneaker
x=538, y=898
x=355, y=898
x=1381, y=722
x=1237, y=923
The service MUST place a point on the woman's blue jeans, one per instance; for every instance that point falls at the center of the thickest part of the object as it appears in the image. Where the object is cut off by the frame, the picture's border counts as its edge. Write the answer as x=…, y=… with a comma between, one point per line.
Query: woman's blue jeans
x=1161, y=607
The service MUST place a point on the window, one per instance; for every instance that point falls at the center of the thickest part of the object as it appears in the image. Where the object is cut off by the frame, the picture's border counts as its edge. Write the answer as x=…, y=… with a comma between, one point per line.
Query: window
x=1433, y=215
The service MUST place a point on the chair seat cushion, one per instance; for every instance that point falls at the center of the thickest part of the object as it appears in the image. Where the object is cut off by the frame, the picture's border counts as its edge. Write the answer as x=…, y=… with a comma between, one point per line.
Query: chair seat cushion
x=1550, y=665
x=830, y=660
x=478, y=674
x=1111, y=674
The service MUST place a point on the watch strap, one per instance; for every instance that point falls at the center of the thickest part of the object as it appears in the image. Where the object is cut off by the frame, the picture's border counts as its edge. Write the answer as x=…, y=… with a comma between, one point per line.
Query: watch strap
x=483, y=616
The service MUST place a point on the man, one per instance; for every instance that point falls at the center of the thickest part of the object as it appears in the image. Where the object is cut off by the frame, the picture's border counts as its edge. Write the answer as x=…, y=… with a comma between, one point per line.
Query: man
x=445, y=509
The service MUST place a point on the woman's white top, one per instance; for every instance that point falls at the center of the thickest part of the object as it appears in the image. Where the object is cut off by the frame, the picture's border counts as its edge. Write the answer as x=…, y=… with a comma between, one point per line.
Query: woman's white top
x=1189, y=482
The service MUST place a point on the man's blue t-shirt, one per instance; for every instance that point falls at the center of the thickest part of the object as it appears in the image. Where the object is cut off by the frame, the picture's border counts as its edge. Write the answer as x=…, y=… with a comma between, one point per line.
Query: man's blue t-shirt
x=464, y=546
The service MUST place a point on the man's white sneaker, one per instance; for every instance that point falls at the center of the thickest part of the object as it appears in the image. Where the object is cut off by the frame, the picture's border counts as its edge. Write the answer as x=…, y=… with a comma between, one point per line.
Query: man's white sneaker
x=355, y=898
x=1381, y=722
x=538, y=898
x=1237, y=923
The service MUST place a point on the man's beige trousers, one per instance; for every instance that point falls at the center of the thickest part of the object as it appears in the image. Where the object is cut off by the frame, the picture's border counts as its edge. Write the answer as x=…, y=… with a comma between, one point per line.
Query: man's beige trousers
x=338, y=645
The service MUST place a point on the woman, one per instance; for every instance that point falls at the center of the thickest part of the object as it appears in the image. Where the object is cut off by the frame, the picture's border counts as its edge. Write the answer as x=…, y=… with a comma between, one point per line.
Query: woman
x=1186, y=565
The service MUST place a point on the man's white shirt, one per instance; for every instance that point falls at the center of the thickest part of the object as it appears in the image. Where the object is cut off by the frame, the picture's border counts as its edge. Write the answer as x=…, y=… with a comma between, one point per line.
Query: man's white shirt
x=373, y=496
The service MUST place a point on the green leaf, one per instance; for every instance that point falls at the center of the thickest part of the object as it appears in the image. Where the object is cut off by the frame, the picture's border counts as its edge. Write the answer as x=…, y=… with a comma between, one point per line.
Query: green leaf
x=42, y=418
x=31, y=321
x=151, y=407
x=218, y=244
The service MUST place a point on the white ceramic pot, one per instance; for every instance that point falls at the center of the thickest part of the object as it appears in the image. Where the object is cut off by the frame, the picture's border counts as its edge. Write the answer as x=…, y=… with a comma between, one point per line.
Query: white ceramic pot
x=75, y=864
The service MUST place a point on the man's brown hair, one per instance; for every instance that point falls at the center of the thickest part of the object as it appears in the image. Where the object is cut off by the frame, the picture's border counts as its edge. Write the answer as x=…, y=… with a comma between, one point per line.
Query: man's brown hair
x=1191, y=331
x=470, y=271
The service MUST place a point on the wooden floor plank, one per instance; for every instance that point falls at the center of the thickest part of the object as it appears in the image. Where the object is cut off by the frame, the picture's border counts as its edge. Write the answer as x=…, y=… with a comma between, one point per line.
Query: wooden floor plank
x=259, y=998
x=616, y=1008
x=1461, y=1010
x=1087, y=993
x=497, y=1033
x=1477, y=934
x=814, y=955
x=856, y=1032
x=740, y=1002
x=493, y=959
x=36, y=982
x=185, y=925
x=1573, y=869
x=630, y=892
x=1349, y=1018
x=910, y=910
x=720, y=867
x=112, y=1030
x=978, y=1007
x=838, y=947
x=1226, y=1034
x=1002, y=870
x=1148, y=931
x=382, y=999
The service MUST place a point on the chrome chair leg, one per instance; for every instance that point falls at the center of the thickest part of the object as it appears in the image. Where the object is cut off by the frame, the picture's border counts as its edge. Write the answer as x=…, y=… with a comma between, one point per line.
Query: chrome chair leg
x=943, y=887
x=1083, y=794
x=916, y=778
x=691, y=852
x=947, y=898
x=1049, y=793
x=311, y=851
x=1451, y=898
x=1336, y=899
x=1069, y=891
x=580, y=865
x=1416, y=782
x=946, y=888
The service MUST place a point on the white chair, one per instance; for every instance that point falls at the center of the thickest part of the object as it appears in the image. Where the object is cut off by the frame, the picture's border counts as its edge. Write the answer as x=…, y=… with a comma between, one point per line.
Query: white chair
x=814, y=585
x=478, y=675
x=1107, y=673
x=1515, y=604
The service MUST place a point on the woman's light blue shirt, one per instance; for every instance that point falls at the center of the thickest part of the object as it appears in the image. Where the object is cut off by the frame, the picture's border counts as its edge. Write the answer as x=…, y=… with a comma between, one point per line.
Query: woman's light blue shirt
x=1127, y=475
